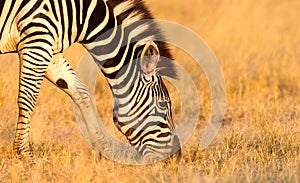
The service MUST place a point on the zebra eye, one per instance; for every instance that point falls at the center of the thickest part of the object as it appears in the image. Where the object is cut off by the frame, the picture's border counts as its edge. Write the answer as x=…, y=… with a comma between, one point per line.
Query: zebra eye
x=162, y=104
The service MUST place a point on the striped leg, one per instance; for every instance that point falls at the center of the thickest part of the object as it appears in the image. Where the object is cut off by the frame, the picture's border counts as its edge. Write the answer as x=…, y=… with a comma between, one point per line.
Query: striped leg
x=62, y=75
x=34, y=60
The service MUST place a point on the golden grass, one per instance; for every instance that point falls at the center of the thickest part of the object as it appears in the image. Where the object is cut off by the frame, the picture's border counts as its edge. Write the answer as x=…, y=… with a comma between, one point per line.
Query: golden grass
x=258, y=45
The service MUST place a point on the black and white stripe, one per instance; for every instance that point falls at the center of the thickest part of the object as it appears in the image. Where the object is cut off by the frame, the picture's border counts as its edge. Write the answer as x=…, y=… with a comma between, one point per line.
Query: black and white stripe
x=40, y=30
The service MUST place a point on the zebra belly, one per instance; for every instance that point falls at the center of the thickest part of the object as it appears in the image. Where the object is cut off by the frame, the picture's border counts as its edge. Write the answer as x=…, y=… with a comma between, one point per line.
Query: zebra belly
x=9, y=39
x=8, y=46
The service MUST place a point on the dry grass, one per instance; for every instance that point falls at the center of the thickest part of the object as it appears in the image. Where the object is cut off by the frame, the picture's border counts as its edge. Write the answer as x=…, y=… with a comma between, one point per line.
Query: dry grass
x=258, y=45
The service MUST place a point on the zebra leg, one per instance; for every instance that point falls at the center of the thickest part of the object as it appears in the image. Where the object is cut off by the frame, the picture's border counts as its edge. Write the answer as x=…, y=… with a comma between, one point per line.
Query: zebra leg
x=34, y=60
x=62, y=75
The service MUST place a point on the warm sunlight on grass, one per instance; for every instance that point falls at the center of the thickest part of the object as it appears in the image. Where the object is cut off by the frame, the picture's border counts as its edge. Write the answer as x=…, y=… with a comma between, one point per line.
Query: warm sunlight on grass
x=258, y=46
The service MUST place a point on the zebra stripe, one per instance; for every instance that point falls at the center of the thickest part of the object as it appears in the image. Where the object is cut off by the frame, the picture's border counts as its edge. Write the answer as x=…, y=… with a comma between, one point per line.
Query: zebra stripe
x=40, y=30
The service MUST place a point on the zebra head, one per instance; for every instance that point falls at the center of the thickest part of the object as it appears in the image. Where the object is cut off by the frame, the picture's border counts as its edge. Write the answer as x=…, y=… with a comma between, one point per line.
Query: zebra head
x=142, y=106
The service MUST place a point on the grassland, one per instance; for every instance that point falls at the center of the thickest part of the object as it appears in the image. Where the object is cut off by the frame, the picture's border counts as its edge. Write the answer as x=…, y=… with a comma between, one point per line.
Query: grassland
x=258, y=46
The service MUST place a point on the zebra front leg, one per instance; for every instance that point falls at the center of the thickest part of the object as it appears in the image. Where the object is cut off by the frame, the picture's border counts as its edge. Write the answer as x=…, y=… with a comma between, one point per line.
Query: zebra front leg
x=30, y=83
x=28, y=93
x=61, y=74
x=34, y=60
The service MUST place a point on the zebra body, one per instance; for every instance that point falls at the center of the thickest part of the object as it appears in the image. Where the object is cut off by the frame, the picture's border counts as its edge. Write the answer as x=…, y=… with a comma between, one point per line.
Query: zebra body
x=40, y=30
x=59, y=19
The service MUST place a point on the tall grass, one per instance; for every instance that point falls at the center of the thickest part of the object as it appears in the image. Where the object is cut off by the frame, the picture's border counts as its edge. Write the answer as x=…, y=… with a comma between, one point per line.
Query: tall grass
x=258, y=46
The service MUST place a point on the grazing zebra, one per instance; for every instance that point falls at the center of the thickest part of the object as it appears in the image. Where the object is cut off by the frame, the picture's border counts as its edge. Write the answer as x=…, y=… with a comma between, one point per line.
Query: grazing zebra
x=40, y=30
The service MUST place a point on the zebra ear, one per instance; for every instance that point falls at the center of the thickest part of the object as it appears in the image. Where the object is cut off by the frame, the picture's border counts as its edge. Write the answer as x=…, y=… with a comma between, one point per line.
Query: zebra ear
x=149, y=58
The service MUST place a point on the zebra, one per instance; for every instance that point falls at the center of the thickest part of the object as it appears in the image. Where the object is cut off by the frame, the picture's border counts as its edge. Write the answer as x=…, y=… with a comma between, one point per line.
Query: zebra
x=40, y=30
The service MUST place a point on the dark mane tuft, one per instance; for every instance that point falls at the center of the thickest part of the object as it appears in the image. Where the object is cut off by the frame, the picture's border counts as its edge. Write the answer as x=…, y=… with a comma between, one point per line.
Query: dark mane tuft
x=166, y=66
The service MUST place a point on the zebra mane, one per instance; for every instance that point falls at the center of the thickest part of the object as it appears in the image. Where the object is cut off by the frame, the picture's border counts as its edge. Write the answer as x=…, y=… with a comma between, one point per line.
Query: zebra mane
x=134, y=8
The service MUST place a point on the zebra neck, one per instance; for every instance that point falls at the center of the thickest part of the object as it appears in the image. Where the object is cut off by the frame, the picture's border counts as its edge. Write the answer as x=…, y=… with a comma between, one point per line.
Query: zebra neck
x=125, y=83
